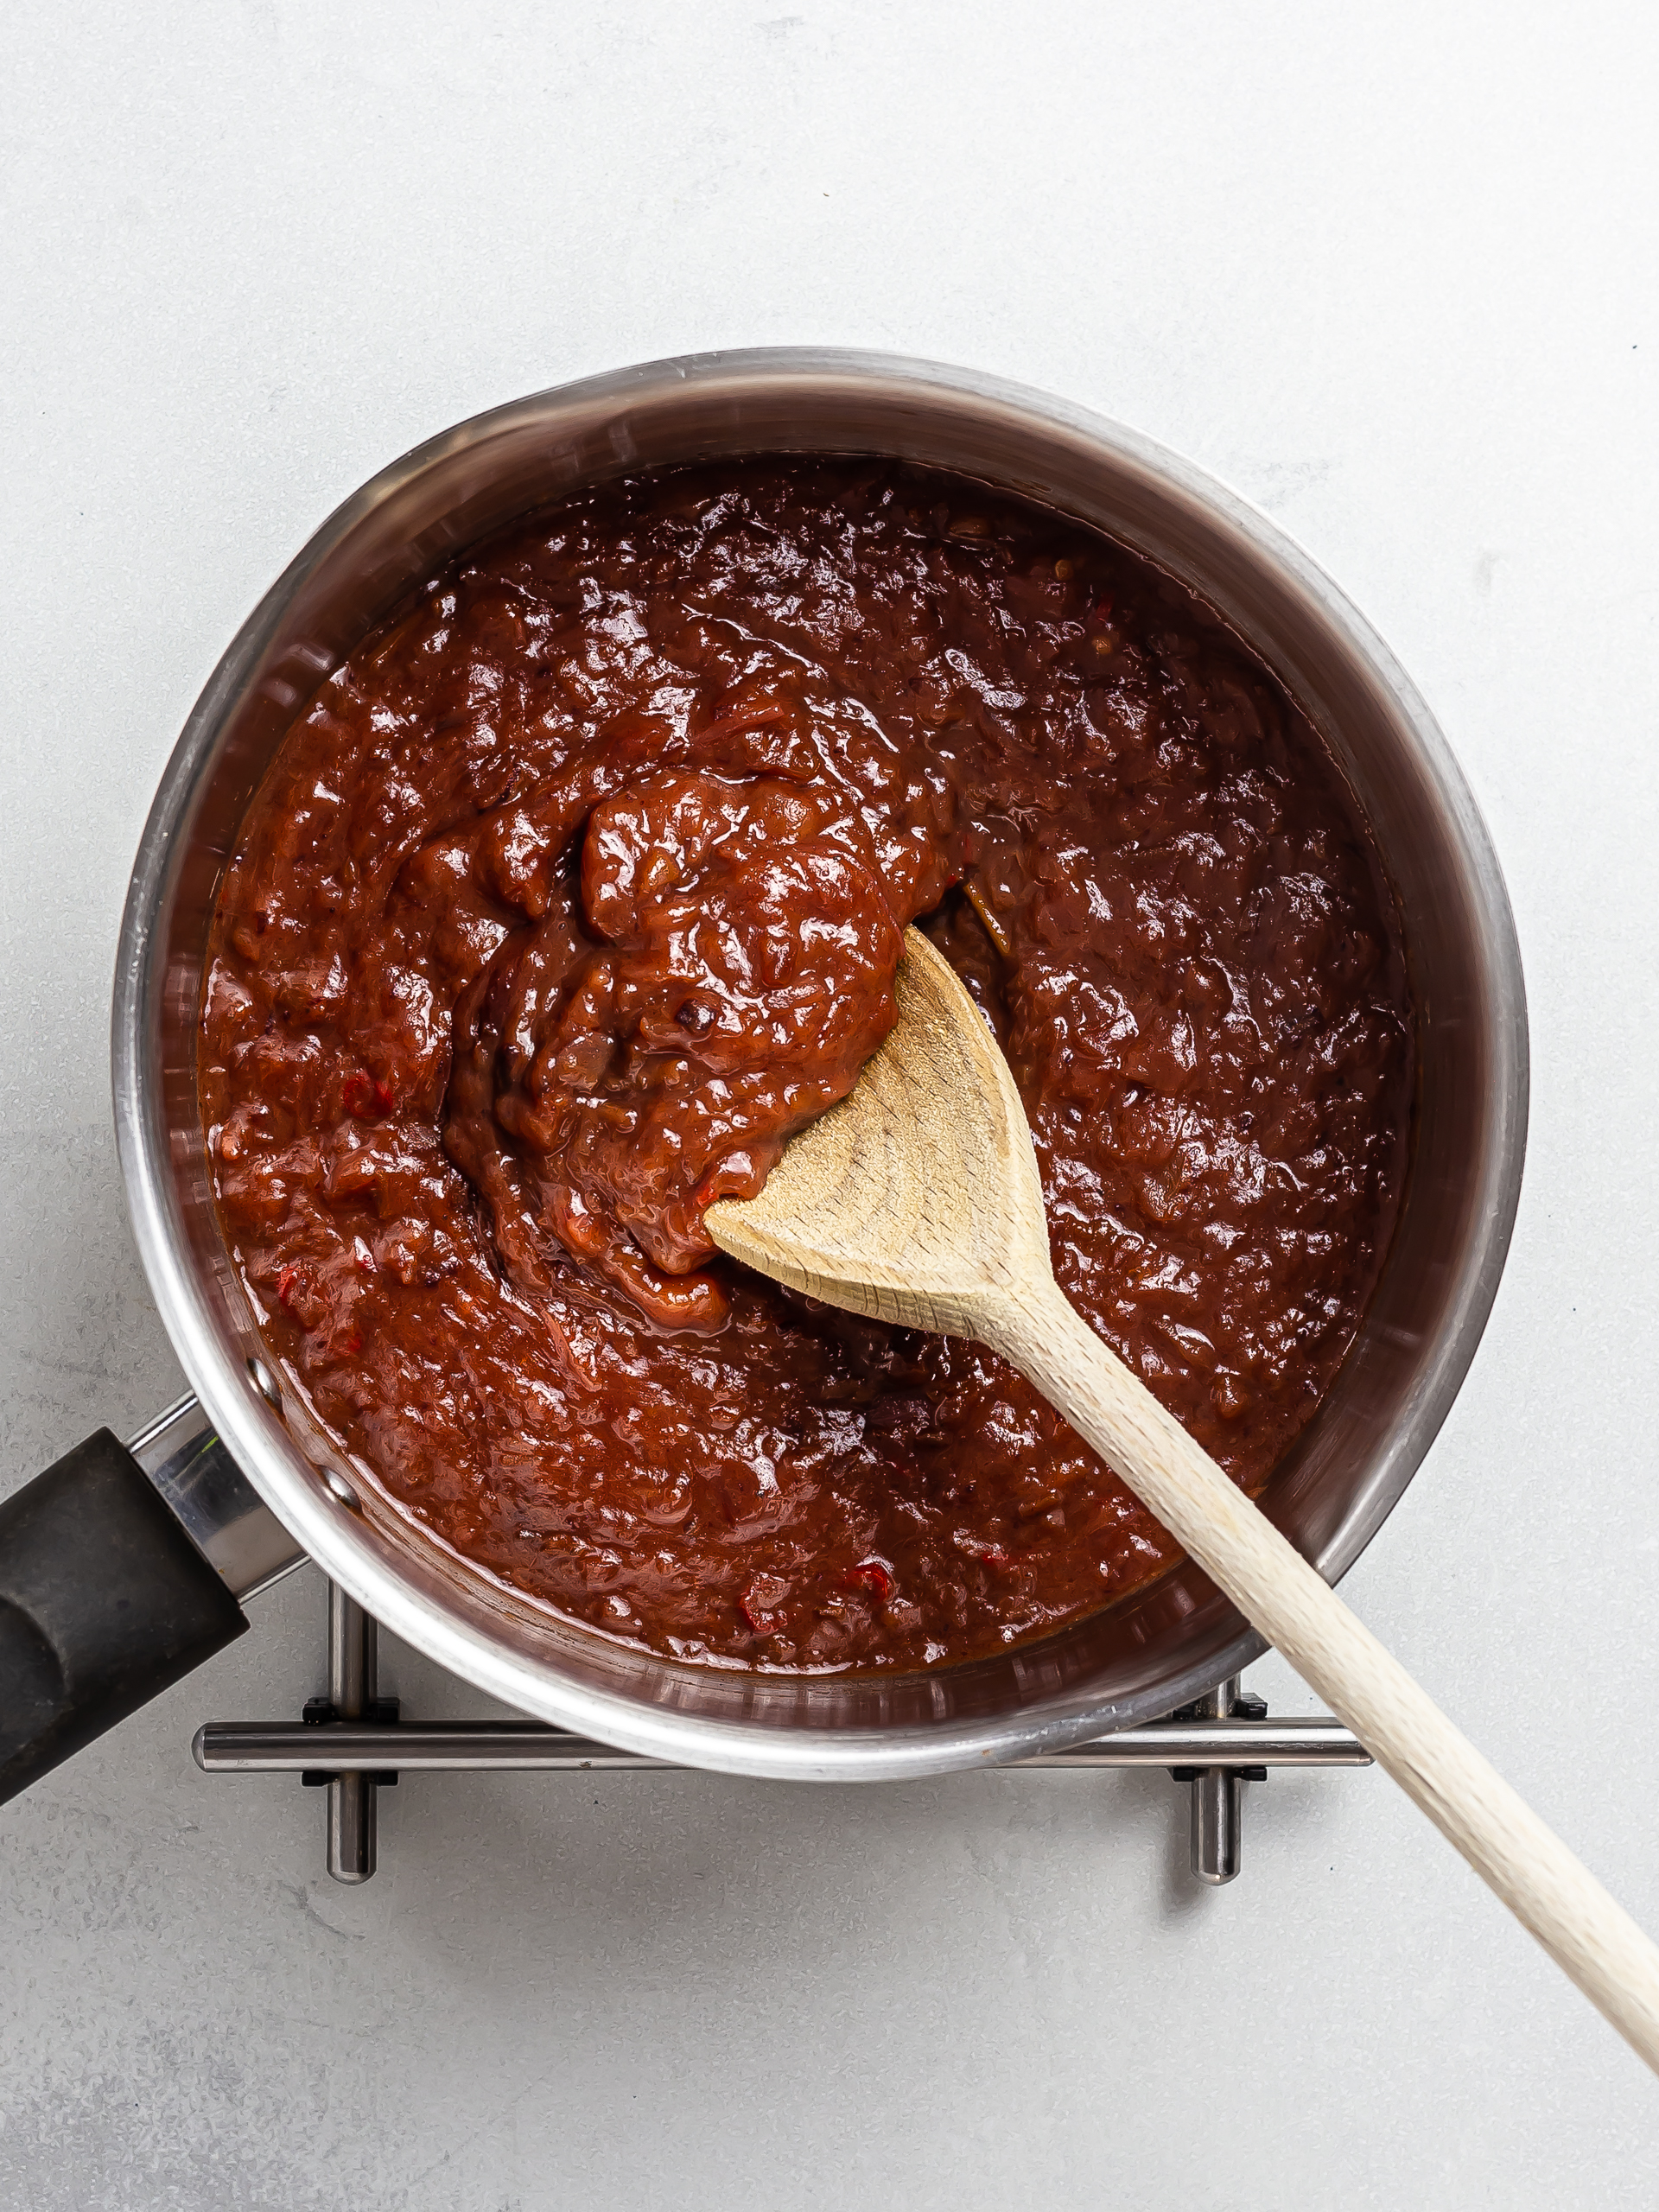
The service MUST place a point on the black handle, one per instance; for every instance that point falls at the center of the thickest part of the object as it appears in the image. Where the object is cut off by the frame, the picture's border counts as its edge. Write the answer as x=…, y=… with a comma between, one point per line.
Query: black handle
x=104, y=1602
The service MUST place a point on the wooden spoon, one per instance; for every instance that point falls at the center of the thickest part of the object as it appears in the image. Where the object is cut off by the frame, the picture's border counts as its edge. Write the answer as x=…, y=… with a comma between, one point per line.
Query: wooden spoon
x=916, y=1201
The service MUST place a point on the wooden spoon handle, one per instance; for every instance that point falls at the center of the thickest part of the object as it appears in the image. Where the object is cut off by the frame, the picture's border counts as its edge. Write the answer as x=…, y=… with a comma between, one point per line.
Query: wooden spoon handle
x=1591, y=1938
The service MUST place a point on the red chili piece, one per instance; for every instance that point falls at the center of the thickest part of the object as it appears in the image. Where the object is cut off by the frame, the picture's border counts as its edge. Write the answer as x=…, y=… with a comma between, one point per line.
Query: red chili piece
x=873, y=1575
x=758, y=1602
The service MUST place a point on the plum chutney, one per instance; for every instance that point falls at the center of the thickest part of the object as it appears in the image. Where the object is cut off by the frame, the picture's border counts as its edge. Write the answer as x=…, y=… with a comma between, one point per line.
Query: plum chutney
x=581, y=885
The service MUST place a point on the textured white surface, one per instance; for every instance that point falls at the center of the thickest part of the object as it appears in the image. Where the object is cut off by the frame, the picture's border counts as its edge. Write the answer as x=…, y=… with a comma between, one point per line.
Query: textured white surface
x=1392, y=272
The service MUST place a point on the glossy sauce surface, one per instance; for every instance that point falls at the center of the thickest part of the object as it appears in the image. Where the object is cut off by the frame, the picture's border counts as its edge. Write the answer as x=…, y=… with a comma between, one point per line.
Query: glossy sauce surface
x=582, y=885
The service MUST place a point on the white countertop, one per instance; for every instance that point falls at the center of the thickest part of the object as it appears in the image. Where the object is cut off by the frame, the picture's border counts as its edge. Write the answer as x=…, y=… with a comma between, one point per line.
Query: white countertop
x=1390, y=272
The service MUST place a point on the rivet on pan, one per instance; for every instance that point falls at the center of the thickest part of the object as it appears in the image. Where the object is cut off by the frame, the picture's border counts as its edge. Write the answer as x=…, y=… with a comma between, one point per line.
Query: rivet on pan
x=265, y=1383
x=337, y=1486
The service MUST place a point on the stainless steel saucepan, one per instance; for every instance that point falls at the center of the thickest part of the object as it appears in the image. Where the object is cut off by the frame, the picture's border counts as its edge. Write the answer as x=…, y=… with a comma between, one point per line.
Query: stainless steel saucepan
x=117, y=1572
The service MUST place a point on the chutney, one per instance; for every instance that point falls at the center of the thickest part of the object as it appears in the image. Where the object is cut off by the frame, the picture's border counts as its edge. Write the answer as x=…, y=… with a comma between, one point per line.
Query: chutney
x=581, y=883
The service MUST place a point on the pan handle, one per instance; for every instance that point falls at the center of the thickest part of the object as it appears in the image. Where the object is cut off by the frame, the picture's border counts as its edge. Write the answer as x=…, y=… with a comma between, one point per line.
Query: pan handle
x=105, y=1600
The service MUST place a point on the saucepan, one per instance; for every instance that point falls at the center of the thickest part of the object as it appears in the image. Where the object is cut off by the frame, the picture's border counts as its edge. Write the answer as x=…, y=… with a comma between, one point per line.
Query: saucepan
x=120, y=1568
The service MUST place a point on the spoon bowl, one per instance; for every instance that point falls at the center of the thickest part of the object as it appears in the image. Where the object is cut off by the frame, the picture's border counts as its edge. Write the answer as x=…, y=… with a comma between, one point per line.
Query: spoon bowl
x=916, y=1200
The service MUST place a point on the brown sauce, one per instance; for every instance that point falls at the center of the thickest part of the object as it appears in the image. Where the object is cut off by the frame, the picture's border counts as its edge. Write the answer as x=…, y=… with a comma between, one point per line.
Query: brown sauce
x=582, y=885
